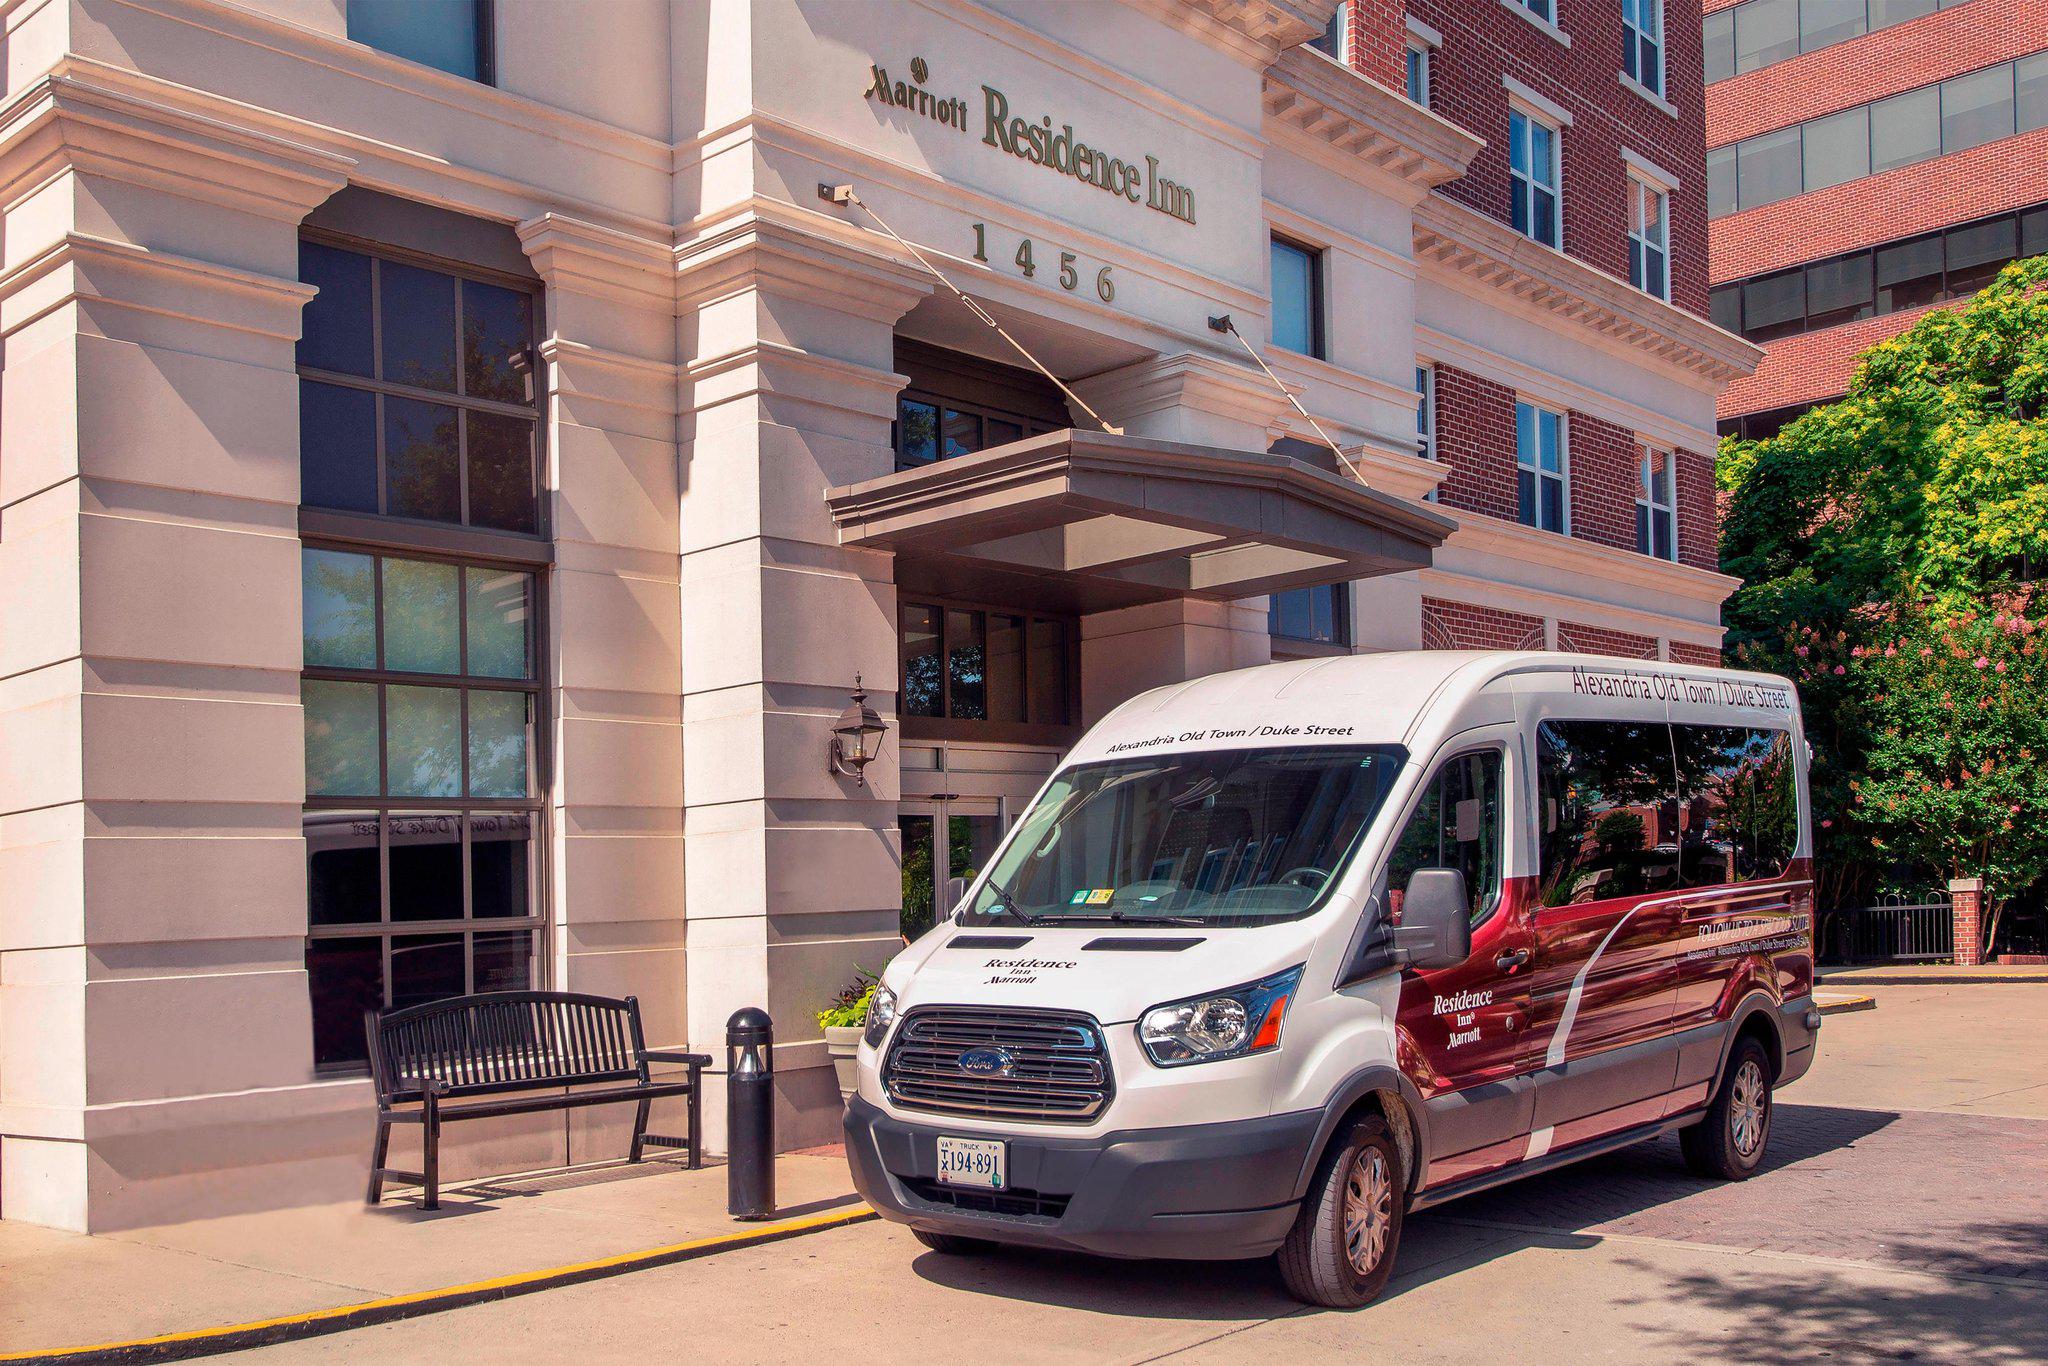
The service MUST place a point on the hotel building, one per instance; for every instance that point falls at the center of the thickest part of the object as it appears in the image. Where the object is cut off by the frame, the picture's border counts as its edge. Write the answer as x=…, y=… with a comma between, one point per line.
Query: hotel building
x=458, y=457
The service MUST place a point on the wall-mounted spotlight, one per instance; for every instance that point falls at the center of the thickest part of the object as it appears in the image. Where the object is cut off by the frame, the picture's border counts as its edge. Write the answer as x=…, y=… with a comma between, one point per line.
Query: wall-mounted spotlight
x=857, y=737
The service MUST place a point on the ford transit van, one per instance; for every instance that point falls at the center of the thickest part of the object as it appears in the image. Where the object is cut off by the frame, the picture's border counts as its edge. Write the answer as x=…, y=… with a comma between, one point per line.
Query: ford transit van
x=1278, y=956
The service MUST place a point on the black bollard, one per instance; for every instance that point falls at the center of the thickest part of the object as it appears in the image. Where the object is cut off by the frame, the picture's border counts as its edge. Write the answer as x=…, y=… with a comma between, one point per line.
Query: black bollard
x=750, y=1114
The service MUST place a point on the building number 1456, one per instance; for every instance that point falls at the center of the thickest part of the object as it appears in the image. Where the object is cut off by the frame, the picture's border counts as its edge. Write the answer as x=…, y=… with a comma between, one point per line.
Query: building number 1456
x=1027, y=262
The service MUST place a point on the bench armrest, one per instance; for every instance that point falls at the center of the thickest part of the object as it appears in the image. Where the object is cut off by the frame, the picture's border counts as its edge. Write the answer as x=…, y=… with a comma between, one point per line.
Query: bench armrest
x=666, y=1055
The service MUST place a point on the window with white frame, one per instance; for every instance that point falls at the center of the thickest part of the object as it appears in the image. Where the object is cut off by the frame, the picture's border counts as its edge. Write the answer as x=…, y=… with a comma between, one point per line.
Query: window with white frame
x=1335, y=40
x=1540, y=470
x=1642, y=43
x=1418, y=72
x=1533, y=177
x=1425, y=417
x=1542, y=9
x=1656, y=517
x=1649, y=237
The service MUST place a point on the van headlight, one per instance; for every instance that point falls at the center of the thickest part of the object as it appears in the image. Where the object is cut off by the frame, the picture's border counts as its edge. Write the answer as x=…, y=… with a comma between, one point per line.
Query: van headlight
x=881, y=1014
x=1224, y=1024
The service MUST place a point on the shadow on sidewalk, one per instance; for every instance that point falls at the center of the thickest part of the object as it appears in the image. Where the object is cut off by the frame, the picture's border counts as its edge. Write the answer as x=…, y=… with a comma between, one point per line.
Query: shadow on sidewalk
x=1567, y=1208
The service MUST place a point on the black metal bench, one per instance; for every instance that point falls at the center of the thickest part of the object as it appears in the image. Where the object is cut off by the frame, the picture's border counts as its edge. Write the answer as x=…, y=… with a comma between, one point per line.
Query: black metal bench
x=494, y=1045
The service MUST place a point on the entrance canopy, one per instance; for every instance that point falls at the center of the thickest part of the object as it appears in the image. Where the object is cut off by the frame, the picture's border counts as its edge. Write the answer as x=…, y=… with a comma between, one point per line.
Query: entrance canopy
x=1086, y=521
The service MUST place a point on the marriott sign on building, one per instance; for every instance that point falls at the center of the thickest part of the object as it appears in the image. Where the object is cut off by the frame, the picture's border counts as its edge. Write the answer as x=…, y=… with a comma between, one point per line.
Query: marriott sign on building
x=457, y=460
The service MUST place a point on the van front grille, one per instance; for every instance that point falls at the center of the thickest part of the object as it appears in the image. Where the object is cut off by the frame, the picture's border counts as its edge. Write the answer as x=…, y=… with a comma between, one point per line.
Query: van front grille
x=1016, y=1204
x=1050, y=1065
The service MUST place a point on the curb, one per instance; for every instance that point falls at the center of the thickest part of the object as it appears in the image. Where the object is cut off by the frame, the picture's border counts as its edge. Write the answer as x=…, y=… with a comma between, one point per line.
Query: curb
x=1843, y=1004
x=235, y=1337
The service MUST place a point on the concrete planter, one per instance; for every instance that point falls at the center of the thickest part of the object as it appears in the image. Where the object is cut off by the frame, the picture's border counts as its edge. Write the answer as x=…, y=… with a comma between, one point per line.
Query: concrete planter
x=842, y=1042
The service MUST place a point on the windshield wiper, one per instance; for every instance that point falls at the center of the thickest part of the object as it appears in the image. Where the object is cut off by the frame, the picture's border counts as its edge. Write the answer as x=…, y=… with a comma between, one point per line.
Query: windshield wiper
x=1009, y=903
x=1122, y=918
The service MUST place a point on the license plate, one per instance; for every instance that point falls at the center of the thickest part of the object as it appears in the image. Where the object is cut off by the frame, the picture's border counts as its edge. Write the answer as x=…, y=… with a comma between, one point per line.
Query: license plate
x=971, y=1162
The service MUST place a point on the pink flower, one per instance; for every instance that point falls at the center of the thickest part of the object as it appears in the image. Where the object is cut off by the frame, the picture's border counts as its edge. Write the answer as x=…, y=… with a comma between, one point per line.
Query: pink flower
x=1827, y=825
x=1982, y=662
x=1925, y=652
x=1839, y=670
x=1799, y=650
x=1999, y=667
x=1890, y=650
x=2015, y=808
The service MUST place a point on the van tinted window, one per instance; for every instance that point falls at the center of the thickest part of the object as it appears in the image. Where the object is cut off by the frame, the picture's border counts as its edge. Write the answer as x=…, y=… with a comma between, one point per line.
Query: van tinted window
x=1457, y=824
x=1609, y=810
x=1741, y=817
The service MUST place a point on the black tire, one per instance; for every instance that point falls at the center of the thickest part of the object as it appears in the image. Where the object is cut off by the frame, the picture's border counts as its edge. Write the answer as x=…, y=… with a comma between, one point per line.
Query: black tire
x=1729, y=1143
x=953, y=1245
x=1316, y=1262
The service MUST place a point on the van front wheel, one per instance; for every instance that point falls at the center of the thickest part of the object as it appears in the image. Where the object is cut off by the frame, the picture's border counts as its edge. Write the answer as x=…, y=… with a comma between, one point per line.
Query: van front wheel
x=1341, y=1249
x=1729, y=1141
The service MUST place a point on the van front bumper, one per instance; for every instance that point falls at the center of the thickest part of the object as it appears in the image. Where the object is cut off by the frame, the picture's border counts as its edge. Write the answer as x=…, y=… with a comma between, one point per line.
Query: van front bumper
x=1212, y=1192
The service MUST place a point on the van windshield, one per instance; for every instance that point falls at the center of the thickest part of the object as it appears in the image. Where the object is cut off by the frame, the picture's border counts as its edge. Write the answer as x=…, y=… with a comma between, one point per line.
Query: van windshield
x=1230, y=837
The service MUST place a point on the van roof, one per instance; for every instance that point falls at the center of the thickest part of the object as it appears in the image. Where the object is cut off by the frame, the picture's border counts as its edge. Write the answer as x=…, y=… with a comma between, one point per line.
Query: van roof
x=1401, y=685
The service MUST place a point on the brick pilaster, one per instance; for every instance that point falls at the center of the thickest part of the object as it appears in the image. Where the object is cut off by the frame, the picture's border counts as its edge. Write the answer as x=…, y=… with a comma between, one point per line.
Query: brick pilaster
x=1966, y=905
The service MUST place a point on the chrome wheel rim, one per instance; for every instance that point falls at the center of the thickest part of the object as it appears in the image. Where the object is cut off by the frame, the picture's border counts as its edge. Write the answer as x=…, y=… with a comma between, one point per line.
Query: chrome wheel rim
x=1748, y=1102
x=1368, y=1210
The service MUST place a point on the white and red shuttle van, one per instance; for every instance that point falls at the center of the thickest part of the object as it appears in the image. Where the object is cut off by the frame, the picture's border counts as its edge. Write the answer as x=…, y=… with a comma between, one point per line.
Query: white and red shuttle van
x=1278, y=955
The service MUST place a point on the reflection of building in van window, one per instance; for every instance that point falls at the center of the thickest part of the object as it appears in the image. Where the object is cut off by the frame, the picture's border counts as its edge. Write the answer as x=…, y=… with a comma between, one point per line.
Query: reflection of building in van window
x=1456, y=824
x=1631, y=808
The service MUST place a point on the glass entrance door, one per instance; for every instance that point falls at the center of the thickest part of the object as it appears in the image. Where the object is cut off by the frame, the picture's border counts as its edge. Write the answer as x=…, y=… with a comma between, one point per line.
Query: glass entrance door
x=943, y=838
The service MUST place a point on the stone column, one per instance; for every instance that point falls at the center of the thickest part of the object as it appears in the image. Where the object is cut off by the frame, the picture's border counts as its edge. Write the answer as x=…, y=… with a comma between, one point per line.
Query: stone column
x=1204, y=400
x=155, y=1031
x=614, y=646
x=1966, y=907
x=793, y=873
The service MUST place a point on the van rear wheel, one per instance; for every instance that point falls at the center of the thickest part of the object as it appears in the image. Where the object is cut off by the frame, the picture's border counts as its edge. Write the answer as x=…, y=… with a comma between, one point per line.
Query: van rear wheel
x=1341, y=1249
x=1729, y=1142
x=953, y=1245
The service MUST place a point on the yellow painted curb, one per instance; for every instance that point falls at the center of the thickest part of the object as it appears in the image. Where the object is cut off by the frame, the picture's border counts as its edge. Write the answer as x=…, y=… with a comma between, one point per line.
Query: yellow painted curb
x=265, y=1332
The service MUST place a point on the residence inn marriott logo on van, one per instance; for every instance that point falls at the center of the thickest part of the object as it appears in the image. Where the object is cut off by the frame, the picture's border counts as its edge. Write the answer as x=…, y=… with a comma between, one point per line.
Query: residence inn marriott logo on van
x=1037, y=143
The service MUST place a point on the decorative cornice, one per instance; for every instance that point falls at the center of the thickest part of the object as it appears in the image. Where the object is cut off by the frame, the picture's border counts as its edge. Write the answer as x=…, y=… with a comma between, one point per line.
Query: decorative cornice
x=1477, y=531
x=1362, y=119
x=61, y=122
x=1256, y=30
x=156, y=282
x=1184, y=380
x=587, y=258
x=1452, y=237
x=782, y=255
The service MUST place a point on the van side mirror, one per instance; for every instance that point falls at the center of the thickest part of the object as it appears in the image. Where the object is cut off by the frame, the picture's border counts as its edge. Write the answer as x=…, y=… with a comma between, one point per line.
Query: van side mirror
x=1436, y=920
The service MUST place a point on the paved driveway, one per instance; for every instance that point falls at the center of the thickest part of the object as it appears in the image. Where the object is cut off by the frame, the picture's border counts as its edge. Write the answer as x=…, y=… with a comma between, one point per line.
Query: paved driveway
x=1904, y=1216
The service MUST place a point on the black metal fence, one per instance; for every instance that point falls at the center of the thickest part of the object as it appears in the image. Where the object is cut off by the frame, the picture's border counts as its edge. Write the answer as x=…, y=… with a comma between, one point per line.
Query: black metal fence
x=1896, y=930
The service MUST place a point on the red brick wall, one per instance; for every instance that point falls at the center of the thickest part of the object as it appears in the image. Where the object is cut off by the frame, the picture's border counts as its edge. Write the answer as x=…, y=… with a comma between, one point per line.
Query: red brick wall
x=1902, y=57
x=1685, y=652
x=1598, y=640
x=1482, y=40
x=2008, y=174
x=1605, y=464
x=1699, y=512
x=1812, y=367
x=1475, y=424
x=1448, y=625
x=1379, y=42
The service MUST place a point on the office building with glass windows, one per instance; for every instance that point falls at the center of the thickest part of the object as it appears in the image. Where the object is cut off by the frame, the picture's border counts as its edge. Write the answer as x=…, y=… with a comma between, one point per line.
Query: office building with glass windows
x=1868, y=160
x=457, y=460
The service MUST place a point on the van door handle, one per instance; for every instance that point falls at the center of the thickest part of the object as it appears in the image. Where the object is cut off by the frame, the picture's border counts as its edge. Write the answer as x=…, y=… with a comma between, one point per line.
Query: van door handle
x=1512, y=959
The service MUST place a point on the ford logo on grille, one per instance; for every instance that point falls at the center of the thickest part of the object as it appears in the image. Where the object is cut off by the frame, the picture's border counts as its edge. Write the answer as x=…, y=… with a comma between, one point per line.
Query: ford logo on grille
x=986, y=1062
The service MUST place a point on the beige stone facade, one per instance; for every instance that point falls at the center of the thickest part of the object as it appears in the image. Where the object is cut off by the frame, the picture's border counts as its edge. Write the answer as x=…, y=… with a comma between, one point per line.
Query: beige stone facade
x=716, y=354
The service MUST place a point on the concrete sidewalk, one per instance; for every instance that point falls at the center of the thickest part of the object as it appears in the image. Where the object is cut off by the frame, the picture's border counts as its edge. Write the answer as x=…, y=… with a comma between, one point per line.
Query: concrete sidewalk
x=68, y=1289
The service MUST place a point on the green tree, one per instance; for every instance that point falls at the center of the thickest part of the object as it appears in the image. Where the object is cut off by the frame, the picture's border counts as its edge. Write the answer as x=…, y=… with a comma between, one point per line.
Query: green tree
x=1916, y=508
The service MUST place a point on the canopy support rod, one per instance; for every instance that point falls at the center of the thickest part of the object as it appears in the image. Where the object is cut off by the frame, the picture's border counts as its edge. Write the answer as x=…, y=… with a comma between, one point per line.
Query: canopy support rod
x=1223, y=323
x=843, y=194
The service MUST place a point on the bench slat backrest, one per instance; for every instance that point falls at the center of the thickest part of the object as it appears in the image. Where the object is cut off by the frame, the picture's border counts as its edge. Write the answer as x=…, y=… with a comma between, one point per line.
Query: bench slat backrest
x=504, y=1041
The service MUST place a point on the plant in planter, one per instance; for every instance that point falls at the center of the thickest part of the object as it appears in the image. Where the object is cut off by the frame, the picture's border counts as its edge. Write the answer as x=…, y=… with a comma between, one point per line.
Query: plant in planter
x=843, y=1021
